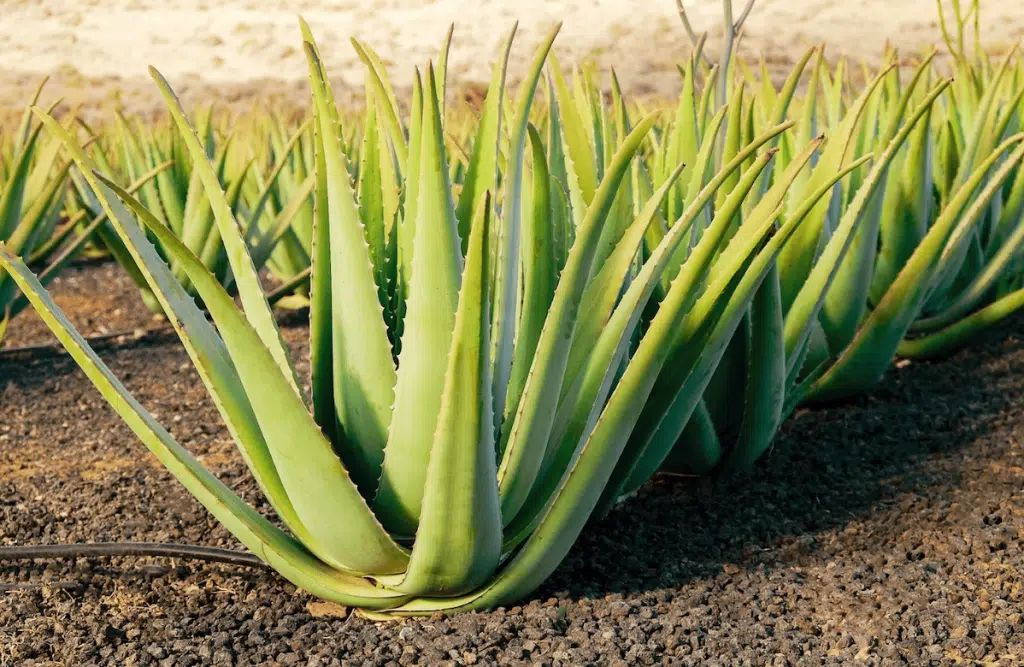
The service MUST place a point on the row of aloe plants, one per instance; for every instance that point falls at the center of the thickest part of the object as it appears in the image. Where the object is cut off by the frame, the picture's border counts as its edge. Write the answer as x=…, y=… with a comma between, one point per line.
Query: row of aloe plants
x=517, y=319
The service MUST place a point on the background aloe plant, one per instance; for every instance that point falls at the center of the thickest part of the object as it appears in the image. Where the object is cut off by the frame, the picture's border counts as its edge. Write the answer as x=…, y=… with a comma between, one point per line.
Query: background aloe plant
x=33, y=183
x=156, y=161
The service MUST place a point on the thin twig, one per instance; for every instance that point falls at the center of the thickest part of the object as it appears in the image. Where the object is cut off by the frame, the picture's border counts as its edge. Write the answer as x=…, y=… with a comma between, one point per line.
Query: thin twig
x=123, y=549
x=58, y=585
x=54, y=348
x=744, y=14
x=690, y=32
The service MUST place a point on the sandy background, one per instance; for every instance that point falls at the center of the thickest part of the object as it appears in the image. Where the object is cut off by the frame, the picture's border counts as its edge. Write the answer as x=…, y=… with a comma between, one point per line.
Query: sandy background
x=238, y=50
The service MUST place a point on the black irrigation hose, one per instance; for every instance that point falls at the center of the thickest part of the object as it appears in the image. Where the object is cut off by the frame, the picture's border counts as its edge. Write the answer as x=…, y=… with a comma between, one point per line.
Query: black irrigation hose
x=122, y=549
x=48, y=349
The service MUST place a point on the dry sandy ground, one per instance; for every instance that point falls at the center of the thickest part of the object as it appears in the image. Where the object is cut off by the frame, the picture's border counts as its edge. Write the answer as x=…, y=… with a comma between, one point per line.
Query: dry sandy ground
x=241, y=49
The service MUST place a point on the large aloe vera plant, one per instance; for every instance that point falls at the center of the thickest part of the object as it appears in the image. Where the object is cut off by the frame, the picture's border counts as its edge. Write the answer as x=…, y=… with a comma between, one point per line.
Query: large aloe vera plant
x=473, y=393
x=947, y=235
x=884, y=250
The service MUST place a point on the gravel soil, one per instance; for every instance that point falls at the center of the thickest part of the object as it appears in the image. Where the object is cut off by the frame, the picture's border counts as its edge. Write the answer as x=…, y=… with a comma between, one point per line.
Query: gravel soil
x=883, y=531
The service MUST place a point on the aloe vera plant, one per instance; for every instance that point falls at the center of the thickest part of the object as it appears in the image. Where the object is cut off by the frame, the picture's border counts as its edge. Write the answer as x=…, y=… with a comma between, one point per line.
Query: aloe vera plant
x=33, y=183
x=883, y=256
x=156, y=160
x=948, y=233
x=456, y=437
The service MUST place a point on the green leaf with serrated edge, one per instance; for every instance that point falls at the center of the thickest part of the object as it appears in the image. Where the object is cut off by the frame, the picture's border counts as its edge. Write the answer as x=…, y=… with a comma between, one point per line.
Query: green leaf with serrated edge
x=799, y=256
x=406, y=228
x=574, y=131
x=506, y=270
x=213, y=246
x=429, y=321
x=729, y=143
x=254, y=302
x=36, y=219
x=458, y=544
x=384, y=92
x=780, y=109
x=979, y=140
x=576, y=421
x=482, y=171
x=945, y=341
x=371, y=203
x=764, y=390
x=272, y=545
x=996, y=267
x=109, y=237
x=364, y=372
x=907, y=209
x=820, y=282
x=325, y=499
x=699, y=178
x=442, y=68
x=85, y=234
x=877, y=340
x=539, y=275
x=528, y=438
x=603, y=290
x=321, y=316
x=953, y=263
x=683, y=142
x=846, y=299
x=13, y=192
x=703, y=271
x=201, y=341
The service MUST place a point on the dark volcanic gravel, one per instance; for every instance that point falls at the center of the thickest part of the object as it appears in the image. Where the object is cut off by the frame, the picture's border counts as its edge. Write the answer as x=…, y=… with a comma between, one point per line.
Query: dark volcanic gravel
x=885, y=531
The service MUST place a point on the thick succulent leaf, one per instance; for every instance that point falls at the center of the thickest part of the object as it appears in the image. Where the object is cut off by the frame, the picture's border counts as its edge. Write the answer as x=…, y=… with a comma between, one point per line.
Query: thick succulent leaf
x=592, y=470
x=578, y=149
x=907, y=209
x=604, y=333
x=254, y=302
x=271, y=544
x=363, y=372
x=442, y=68
x=846, y=300
x=799, y=257
x=321, y=319
x=429, y=321
x=371, y=201
x=531, y=428
x=405, y=231
x=14, y=188
x=199, y=338
x=540, y=275
x=383, y=91
x=458, y=544
x=604, y=289
x=482, y=172
x=945, y=341
x=506, y=271
x=764, y=391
